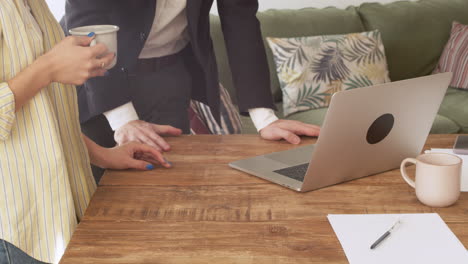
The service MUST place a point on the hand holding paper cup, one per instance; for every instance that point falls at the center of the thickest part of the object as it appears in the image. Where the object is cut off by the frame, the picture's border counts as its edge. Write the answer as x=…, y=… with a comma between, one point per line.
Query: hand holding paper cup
x=106, y=34
x=438, y=178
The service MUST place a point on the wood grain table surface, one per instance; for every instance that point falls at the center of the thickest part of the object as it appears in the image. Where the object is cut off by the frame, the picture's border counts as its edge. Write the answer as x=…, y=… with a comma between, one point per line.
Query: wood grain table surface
x=202, y=211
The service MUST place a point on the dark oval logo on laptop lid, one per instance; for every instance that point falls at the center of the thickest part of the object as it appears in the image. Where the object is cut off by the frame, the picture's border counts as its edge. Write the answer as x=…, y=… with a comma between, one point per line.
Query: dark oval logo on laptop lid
x=380, y=129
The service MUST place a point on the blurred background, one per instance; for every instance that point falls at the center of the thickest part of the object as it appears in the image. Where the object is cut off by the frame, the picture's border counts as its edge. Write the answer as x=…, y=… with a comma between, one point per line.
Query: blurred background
x=58, y=6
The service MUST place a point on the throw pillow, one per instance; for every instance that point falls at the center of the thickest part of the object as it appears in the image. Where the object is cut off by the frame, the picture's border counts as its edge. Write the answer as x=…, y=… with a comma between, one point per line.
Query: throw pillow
x=312, y=69
x=454, y=58
x=203, y=122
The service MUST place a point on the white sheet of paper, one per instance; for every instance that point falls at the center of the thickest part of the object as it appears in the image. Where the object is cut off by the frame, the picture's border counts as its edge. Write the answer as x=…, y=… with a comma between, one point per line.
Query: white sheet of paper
x=464, y=179
x=420, y=238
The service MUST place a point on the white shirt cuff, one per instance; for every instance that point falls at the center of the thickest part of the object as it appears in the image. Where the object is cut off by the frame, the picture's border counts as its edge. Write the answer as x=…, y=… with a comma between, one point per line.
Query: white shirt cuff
x=121, y=115
x=262, y=117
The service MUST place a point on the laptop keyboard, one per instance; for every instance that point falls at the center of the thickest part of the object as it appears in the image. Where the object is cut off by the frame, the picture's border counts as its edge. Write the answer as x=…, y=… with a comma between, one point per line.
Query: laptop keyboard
x=297, y=172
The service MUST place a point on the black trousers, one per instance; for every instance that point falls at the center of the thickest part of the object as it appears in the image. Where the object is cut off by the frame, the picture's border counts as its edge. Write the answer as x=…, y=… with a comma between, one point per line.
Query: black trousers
x=162, y=91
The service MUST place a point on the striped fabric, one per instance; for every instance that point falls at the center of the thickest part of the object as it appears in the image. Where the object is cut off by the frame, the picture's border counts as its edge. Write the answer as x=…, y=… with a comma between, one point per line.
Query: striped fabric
x=197, y=126
x=455, y=56
x=45, y=180
x=230, y=120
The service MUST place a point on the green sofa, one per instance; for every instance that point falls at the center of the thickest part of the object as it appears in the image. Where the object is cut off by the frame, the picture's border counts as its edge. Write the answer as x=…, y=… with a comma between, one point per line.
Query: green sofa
x=414, y=36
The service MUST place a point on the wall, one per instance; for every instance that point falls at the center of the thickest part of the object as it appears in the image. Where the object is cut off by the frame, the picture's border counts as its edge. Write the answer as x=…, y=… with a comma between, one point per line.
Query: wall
x=58, y=6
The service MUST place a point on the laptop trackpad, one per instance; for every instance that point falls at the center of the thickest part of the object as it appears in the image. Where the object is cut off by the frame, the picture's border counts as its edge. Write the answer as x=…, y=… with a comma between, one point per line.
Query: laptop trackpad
x=292, y=157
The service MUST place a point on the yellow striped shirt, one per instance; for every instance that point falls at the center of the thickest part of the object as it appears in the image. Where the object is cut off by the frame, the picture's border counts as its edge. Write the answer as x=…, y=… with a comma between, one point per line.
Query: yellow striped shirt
x=45, y=179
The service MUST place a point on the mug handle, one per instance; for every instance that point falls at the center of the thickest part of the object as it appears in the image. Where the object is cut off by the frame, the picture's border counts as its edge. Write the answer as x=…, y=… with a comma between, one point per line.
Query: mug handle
x=93, y=42
x=403, y=171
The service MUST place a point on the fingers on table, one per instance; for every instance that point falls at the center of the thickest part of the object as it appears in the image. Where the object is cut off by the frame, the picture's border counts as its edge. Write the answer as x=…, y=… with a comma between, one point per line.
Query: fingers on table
x=139, y=164
x=148, y=140
x=150, y=153
x=300, y=128
x=159, y=141
x=288, y=136
x=150, y=159
x=167, y=130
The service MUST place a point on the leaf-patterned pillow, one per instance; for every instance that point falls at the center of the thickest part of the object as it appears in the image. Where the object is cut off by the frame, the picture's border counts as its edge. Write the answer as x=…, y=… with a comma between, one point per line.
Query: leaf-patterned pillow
x=312, y=69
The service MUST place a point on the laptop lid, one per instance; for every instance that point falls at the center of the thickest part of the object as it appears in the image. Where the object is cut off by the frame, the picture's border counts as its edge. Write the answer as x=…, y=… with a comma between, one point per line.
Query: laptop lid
x=372, y=129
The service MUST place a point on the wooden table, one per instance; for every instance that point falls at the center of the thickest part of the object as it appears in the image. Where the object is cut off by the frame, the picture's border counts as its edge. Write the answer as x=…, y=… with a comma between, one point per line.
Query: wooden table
x=202, y=211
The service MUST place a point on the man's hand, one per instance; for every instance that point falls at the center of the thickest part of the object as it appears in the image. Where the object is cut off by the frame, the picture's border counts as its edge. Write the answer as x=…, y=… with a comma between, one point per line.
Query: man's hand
x=289, y=130
x=146, y=133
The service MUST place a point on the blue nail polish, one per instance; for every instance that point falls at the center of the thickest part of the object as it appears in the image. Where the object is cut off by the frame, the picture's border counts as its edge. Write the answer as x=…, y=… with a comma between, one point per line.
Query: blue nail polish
x=149, y=167
x=91, y=34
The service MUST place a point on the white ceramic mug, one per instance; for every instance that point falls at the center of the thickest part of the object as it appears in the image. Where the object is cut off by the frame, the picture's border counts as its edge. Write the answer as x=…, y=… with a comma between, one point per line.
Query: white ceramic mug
x=438, y=178
x=106, y=34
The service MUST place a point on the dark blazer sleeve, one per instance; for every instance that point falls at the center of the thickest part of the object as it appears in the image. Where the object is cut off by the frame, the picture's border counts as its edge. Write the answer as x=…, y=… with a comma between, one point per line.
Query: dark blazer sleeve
x=98, y=94
x=246, y=52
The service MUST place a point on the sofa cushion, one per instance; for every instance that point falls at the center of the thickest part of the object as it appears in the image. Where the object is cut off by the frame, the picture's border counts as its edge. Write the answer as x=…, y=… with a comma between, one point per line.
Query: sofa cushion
x=442, y=124
x=455, y=107
x=455, y=56
x=287, y=23
x=414, y=33
x=312, y=69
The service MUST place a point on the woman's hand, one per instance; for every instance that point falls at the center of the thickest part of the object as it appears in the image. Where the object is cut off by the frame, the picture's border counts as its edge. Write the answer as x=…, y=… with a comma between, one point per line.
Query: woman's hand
x=72, y=61
x=132, y=155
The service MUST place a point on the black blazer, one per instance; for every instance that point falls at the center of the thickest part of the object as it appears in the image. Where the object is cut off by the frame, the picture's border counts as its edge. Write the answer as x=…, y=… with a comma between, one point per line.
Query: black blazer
x=135, y=17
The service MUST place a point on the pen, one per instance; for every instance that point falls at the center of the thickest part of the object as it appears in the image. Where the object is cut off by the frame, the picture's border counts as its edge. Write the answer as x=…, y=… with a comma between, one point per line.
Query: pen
x=385, y=235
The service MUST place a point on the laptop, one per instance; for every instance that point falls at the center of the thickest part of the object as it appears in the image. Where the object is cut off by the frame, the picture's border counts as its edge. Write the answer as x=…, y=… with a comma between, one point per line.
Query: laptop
x=366, y=131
